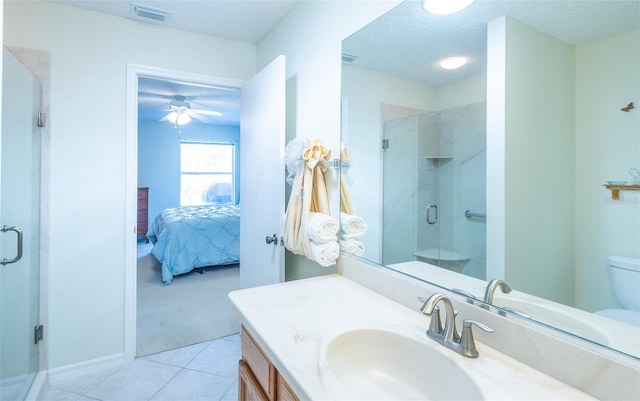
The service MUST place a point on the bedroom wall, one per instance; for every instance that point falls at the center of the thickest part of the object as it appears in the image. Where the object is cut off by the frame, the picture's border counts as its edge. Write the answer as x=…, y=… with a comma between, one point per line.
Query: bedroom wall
x=310, y=37
x=89, y=56
x=159, y=158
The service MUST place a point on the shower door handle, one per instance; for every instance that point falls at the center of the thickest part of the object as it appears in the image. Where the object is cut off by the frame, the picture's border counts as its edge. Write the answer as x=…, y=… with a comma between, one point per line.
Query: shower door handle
x=18, y=231
x=431, y=220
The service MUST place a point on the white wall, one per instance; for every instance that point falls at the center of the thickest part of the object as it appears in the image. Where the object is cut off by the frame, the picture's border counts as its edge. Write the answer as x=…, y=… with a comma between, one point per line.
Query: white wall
x=539, y=147
x=607, y=145
x=561, y=225
x=310, y=37
x=365, y=91
x=159, y=158
x=89, y=57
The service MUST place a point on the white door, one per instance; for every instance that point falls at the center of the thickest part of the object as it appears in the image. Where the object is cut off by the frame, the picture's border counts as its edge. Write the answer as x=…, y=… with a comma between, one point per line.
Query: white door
x=262, y=176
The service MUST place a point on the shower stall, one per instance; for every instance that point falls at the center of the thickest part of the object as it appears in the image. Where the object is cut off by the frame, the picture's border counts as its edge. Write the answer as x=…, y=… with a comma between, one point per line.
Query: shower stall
x=434, y=189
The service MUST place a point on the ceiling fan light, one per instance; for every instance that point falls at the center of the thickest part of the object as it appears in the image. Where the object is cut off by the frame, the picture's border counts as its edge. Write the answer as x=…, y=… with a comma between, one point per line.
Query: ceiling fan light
x=444, y=7
x=183, y=119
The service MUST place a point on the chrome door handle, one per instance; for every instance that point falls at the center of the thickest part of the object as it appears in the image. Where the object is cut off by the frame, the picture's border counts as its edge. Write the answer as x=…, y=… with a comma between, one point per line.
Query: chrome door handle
x=272, y=240
x=18, y=231
x=429, y=219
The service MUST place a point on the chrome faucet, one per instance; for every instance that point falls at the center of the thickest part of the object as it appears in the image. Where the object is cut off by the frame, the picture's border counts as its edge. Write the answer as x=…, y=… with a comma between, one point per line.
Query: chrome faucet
x=491, y=289
x=448, y=336
x=435, y=331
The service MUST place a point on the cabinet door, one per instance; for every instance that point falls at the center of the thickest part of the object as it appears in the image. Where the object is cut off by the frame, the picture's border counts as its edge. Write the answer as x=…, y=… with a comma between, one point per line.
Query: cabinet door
x=248, y=387
x=284, y=392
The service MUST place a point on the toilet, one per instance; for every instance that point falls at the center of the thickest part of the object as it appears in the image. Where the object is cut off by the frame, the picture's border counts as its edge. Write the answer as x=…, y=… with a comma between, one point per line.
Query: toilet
x=625, y=273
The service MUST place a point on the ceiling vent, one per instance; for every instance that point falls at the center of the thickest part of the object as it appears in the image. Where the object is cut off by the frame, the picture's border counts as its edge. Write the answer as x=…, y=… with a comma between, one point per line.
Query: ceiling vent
x=348, y=58
x=149, y=13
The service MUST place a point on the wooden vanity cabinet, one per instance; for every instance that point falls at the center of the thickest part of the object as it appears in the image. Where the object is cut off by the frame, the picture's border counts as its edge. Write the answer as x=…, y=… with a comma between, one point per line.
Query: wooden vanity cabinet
x=258, y=379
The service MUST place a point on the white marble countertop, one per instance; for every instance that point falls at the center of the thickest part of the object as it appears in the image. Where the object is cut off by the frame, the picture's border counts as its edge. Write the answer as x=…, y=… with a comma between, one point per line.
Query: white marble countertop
x=292, y=321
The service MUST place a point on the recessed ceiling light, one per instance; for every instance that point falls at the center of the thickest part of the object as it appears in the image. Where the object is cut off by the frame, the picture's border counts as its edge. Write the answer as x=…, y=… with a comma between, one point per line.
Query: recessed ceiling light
x=443, y=7
x=453, y=63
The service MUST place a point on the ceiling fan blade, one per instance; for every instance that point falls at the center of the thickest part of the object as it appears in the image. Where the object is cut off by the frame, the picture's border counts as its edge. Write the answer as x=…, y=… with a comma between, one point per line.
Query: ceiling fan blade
x=207, y=112
x=199, y=117
x=165, y=118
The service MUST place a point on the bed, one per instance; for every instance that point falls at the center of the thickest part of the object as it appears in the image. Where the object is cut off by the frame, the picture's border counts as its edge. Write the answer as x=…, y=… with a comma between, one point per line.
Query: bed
x=188, y=237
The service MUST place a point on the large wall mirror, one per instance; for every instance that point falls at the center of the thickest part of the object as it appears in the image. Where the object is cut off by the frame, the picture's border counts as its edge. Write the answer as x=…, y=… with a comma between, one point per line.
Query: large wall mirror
x=498, y=169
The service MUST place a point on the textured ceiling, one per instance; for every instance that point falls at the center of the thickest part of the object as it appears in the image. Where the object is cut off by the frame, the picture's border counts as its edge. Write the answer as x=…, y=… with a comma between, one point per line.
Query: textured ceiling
x=408, y=42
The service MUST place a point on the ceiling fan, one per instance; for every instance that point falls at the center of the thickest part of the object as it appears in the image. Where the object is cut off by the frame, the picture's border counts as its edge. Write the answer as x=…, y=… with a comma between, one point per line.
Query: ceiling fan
x=180, y=112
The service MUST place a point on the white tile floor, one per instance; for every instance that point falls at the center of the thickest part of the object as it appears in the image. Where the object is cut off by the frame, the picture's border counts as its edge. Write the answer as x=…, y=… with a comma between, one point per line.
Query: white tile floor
x=206, y=371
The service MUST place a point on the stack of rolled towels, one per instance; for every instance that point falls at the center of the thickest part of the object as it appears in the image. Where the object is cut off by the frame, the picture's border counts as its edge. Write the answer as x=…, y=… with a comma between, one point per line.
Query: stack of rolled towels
x=351, y=229
x=323, y=238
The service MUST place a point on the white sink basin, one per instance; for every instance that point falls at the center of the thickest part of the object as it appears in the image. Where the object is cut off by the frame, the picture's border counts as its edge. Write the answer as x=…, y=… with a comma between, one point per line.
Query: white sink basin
x=372, y=364
x=553, y=315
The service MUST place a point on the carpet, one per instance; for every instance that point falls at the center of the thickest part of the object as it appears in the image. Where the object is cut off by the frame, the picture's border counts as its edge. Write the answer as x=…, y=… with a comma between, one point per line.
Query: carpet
x=194, y=308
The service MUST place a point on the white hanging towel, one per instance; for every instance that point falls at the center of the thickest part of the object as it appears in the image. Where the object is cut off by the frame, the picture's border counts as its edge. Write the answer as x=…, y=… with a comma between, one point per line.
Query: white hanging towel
x=352, y=226
x=322, y=227
x=352, y=246
x=325, y=253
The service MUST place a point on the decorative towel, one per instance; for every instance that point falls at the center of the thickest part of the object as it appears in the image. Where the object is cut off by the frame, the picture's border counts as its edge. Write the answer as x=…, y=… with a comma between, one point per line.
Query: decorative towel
x=352, y=225
x=352, y=246
x=322, y=227
x=345, y=197
x=308, y=192
x=325, y=253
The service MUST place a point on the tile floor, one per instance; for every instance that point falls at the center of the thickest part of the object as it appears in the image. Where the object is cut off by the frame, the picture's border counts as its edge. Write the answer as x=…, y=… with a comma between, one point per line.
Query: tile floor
x=205, y=371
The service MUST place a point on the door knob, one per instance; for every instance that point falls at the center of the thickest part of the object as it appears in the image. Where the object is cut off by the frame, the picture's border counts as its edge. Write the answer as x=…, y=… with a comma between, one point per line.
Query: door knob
x=272, y=240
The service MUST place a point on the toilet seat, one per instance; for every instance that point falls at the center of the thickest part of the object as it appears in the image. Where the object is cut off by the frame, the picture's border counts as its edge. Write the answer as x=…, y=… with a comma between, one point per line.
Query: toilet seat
x=621, y=315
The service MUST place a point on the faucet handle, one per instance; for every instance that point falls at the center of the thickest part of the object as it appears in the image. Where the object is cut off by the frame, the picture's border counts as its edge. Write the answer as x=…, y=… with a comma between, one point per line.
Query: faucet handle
x=435, y=326
x=468, y=345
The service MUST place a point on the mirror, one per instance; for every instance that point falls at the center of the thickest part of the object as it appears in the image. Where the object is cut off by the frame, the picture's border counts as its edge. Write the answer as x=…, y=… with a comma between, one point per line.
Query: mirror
x=469, y=175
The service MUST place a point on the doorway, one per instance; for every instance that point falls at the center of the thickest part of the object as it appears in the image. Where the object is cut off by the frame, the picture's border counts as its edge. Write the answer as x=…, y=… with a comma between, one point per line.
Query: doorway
x=135, y=74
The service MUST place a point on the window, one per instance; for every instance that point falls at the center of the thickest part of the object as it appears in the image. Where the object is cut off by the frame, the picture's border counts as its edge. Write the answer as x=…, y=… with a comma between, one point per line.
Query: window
x=207, y=173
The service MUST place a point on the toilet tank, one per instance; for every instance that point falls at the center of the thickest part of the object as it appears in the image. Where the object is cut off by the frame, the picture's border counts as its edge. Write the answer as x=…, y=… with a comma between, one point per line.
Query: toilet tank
x=625, y=273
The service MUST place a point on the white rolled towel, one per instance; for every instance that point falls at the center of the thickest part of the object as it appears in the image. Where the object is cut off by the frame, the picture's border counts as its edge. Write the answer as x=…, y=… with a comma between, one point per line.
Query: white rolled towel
x=352, y=246
x=325, y=253
x=322, y=227
x=352, y=225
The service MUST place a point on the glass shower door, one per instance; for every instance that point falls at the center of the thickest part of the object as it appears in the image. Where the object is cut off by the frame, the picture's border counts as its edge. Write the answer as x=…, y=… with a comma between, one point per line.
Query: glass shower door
x=411, y=204
x=19, y=228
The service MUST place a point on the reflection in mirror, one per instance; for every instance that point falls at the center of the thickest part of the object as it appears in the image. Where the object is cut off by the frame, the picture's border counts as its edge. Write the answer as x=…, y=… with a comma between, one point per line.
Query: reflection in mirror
x=468, y=175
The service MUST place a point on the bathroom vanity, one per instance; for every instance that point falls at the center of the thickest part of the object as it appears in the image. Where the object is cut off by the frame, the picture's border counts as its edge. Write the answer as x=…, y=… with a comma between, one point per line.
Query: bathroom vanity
x=258, y=378
x=328, y=337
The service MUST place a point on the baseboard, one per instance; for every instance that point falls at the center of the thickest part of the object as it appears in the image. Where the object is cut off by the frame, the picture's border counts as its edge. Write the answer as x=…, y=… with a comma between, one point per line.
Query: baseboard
x=38, y=386
x=85, y=367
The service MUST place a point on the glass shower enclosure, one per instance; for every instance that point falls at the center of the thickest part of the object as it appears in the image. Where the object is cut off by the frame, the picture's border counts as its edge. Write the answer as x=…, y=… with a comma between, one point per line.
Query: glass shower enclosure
x=436, y=212
x=19, y=228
